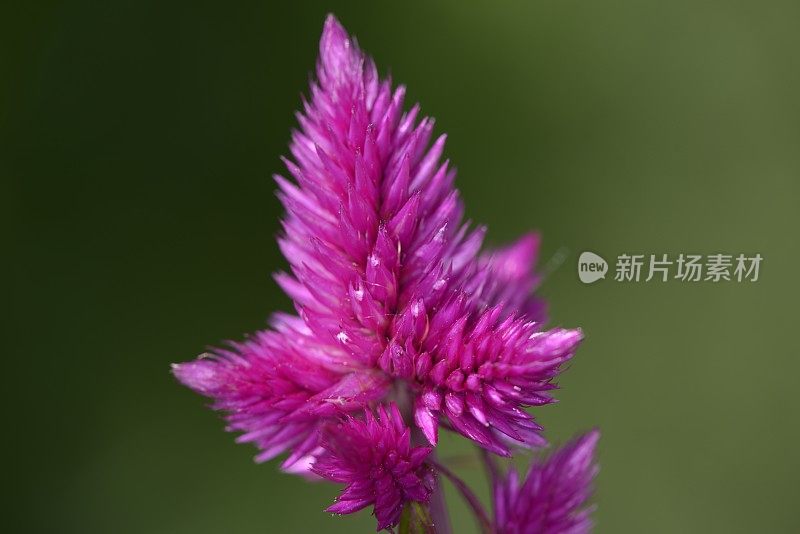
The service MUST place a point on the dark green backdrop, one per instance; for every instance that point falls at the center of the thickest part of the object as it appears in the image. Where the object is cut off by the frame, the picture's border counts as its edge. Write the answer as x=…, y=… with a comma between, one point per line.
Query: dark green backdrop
x=137, y=140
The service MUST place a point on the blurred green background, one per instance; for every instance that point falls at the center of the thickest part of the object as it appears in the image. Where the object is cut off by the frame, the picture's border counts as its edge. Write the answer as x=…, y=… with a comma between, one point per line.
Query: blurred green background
x=137, y=140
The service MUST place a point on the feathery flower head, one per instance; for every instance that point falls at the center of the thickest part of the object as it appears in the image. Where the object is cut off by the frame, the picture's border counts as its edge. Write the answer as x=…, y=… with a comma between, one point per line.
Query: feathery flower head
x=396, y=304
x=374, y=457
x=260, y=382
x=389, y=284
x=553, y=497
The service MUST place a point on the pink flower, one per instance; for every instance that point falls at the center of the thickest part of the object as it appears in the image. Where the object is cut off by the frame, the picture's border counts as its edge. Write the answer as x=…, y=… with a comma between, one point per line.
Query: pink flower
x=398, y=312
x=389, y=284
x=374, y=457
x=554, y=495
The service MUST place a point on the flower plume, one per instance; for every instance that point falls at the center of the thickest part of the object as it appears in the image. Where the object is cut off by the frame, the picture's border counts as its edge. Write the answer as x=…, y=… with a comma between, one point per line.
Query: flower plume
x=396, y=301
x=553, y=497
x=374, y=457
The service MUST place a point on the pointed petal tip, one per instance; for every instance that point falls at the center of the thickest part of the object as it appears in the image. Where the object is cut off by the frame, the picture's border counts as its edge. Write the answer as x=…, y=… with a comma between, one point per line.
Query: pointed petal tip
x=347, y=507
x=428, y=423
x=501, y=451
x=184, y=371
x=591, y=438
x=200, y=375
x=531, y=238
x=332, y=28
x=333, y=34
x=178, y=371
x=332, y=22
x=568, y=338
x=576, y=337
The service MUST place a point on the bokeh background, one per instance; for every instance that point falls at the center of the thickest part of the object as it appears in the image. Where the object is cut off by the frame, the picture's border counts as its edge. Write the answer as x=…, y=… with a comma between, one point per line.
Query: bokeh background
x=137, y=141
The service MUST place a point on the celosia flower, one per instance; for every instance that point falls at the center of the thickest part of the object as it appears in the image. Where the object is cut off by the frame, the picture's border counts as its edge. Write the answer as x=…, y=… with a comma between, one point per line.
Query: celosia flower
x=263, y=380
x=374, y=457
x=389, y=284
x=554, y=495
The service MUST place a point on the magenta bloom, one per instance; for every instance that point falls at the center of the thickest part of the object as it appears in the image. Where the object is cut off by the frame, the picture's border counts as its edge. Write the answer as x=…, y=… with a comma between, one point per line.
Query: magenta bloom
x=262, y=381
x=374, y=457
x=554, y=495
x=399, y=313
x=389, y=284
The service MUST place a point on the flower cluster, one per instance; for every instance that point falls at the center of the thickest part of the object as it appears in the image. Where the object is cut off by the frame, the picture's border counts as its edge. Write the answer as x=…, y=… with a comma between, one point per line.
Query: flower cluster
x=399, y=309
x=374, y=457
x=553, y=497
